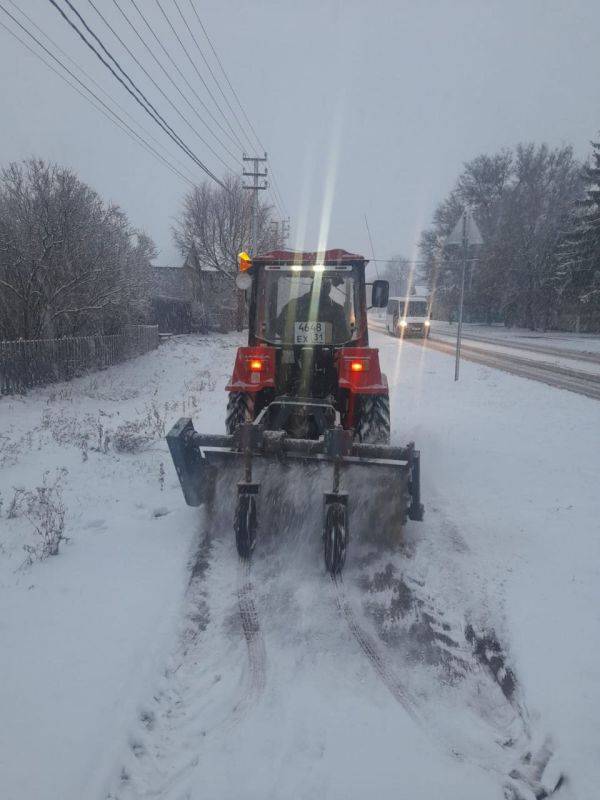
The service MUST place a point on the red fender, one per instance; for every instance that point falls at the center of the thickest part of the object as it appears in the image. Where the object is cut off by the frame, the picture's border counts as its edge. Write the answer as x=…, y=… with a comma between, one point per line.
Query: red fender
x=254, y=370
x=359, y=371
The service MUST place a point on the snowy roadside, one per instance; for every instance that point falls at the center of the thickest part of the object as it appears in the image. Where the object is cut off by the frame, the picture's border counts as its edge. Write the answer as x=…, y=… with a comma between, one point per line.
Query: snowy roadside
x=510, y=470
x=569, y=361
x=83, y=632
x=564, y=340
x=509, y=544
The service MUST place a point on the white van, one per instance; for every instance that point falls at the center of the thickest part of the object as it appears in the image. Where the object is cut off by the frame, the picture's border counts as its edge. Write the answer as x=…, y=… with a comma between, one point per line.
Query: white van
x=408, y=316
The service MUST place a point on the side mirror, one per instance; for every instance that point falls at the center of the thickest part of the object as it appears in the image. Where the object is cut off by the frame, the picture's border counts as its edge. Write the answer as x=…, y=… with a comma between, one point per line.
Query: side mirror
x=380, y=293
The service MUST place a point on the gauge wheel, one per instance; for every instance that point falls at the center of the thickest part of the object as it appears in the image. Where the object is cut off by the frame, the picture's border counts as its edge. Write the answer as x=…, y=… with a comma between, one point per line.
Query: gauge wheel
x=335, y=537
x=245, y=525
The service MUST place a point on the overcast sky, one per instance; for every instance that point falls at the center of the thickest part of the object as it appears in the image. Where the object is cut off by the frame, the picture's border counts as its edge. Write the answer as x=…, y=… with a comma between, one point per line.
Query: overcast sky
x=364, y=107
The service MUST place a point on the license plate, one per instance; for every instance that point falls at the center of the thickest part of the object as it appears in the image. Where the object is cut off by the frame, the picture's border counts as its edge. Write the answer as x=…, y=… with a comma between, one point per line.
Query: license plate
x=312, y=333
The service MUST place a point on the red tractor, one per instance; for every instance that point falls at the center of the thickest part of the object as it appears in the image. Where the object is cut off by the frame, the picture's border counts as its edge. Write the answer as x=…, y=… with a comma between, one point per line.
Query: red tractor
x=307, y=387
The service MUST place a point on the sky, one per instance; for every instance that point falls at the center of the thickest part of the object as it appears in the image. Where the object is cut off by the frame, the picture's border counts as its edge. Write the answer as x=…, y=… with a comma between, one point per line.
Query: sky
x=366, y=109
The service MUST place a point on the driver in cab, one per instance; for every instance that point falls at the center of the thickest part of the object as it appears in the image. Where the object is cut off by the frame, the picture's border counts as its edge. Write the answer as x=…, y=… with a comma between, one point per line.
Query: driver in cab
x=316, y=305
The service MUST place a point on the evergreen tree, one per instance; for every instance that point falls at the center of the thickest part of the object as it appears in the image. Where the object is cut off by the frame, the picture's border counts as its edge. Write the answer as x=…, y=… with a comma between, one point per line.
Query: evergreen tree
x=578, y=273
x=521, y=200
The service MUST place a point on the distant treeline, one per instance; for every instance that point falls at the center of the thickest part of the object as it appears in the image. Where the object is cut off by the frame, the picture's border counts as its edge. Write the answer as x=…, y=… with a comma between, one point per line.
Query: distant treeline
x=538, y=210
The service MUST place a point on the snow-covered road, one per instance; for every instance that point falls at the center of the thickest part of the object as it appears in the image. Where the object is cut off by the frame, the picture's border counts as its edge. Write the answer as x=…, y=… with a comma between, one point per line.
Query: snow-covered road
x=145, y=661
x=561, y=343
x=558, y=365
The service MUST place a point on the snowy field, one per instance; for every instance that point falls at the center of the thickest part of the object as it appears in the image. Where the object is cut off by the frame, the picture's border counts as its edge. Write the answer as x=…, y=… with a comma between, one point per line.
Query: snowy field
x=144, y=661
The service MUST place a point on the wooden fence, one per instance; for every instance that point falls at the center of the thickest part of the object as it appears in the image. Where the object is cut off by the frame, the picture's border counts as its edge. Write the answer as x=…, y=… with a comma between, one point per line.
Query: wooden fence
x=36, y=362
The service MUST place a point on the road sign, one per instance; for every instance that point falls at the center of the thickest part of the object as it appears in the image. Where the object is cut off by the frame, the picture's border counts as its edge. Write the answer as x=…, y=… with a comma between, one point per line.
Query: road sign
x=465, y=227
x=465, y=234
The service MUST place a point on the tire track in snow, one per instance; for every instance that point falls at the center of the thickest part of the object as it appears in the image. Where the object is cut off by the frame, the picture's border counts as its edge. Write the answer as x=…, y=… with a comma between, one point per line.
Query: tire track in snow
x=166, y=753
x=369, y=647
x=255, y=643
x=527, y=781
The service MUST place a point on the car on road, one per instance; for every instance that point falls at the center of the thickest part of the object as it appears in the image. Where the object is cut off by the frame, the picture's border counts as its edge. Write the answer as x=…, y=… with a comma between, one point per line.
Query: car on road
x=408, y=316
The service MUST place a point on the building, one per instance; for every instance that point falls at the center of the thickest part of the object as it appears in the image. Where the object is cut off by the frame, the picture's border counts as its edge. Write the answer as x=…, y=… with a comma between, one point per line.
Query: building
x=193, y=297
x=172, y=299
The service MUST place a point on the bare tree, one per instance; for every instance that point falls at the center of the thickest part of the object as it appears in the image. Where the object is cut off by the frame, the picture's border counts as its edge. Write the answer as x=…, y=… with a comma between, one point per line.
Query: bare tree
x=217, y=222
x=400, y=275
x=68, y=262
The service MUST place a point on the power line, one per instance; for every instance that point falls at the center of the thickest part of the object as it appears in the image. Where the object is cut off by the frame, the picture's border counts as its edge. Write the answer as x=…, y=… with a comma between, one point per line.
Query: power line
x=113, y=116
x=372, y=250
x=214, y=77
x=239, y=102
x=93, y=81
x=179, y=72
x=225, y=75
x=195, y=68
x=169, y=77
x=276, y=187
x=166, y=97
x=145, y=104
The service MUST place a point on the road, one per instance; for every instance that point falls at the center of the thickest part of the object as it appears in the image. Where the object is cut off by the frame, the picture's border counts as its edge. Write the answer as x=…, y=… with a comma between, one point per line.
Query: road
x=573, y=370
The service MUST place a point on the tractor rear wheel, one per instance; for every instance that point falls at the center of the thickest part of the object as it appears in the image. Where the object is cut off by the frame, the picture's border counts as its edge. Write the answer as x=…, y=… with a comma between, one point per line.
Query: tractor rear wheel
x=240, y=408
x=373, y=423
x=335, y=537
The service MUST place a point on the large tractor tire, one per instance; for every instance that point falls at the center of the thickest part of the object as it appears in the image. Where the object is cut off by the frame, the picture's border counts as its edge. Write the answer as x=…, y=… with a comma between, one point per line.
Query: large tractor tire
x=373, y=423
x=240, y=408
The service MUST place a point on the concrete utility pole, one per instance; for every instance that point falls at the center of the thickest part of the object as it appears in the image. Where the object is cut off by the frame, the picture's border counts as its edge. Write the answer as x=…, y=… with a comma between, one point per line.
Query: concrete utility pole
x=255, y=187
x=465, y=251
x=465, y=234
x=281, y=230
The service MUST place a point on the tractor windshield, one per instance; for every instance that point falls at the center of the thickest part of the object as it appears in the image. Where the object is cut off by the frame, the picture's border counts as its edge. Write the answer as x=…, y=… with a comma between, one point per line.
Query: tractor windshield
x=306, y=306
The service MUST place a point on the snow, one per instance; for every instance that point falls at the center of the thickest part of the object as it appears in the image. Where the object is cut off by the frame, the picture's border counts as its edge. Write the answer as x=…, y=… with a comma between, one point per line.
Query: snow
x=123, y=674
x=564, y=340
x=569, y=361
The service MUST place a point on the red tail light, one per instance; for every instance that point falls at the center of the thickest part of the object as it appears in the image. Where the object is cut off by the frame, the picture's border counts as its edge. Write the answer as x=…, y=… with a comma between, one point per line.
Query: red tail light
x=359, y=372
x=359, y=365
x=254, y=369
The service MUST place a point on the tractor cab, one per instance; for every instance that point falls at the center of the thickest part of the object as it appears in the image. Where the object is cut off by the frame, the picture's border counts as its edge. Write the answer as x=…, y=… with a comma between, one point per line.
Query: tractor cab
x=311, y=300
x=308, y=313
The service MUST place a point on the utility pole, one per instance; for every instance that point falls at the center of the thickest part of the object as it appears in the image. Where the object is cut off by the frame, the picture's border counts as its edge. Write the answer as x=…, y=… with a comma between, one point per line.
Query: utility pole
x=465, y=250
x=465, y=234
x=281, y=231
x=256, y=186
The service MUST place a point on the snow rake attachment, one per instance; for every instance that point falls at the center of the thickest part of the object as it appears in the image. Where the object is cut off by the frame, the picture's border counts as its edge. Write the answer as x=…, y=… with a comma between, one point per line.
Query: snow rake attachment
x=376, y=485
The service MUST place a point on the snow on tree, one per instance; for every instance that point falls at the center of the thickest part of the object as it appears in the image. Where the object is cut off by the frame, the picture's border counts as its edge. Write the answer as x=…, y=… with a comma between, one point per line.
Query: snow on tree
x=217, y=223
x=399, y=273
x=521, y=201
x=69, y=263
x=578, y=271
